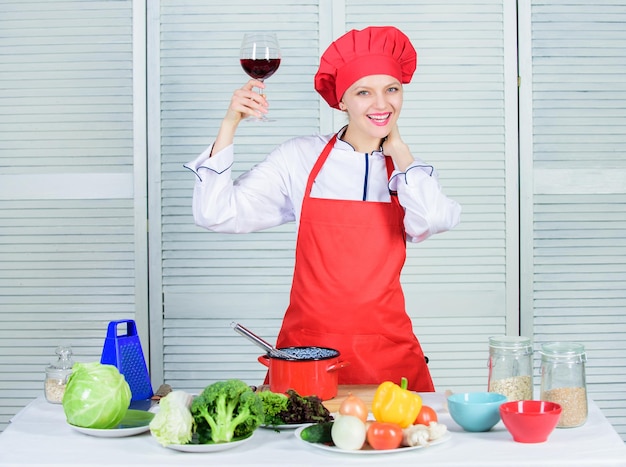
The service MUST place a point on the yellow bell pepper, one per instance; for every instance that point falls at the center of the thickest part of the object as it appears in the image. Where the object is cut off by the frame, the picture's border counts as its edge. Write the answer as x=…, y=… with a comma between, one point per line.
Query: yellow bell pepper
x=395, y=404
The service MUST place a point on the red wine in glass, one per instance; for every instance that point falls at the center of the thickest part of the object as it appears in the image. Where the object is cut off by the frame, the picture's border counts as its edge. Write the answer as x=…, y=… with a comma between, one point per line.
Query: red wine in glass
x=260, y=58
x=260, y=68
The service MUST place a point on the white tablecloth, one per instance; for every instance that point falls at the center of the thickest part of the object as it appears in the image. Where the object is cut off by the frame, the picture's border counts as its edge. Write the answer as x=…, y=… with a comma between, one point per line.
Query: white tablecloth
x=39, y=435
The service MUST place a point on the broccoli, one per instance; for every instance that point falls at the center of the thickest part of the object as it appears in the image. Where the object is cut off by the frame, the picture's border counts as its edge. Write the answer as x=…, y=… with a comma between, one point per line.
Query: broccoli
x=225, y=411
x=273, y=404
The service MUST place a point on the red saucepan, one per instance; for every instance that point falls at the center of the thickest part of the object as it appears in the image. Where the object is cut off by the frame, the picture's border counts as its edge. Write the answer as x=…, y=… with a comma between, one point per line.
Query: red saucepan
x=309, y=371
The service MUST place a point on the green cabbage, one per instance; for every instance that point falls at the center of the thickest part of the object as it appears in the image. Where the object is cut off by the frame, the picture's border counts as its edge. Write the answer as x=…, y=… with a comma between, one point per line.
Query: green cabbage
x=96, y=396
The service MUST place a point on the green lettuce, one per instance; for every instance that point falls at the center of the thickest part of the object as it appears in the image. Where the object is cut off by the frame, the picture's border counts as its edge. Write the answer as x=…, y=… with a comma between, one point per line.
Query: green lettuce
x=173, y=423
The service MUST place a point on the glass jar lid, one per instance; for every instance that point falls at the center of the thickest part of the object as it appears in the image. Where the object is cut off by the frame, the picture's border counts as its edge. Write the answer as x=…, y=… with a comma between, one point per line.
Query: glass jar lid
x=510, y=342
x=64, y=360
x=563, y=350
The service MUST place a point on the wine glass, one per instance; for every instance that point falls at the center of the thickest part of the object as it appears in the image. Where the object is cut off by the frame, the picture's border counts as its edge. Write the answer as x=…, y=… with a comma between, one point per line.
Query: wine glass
x=260, y=58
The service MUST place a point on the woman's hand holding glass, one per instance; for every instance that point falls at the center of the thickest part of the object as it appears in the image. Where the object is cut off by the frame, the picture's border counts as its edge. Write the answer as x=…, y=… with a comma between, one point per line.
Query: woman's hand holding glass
x=246, y=102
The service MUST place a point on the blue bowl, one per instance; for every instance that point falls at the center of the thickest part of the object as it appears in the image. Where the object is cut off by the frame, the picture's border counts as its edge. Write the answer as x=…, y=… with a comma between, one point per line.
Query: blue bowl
x=476, y=411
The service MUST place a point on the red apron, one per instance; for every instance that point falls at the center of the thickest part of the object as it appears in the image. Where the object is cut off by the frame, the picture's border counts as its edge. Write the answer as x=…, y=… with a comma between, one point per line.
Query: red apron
x=346, y=291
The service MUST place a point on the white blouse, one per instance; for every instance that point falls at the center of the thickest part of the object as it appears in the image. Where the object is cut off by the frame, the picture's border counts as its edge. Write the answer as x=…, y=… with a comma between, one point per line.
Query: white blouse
x=271, y=192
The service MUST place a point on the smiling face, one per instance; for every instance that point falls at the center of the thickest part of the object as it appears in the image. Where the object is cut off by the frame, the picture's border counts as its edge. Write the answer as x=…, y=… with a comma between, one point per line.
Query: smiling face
x=373, y=104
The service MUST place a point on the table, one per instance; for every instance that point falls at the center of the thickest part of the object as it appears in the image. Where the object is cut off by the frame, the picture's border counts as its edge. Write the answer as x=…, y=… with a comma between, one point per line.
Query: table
x=39, y=435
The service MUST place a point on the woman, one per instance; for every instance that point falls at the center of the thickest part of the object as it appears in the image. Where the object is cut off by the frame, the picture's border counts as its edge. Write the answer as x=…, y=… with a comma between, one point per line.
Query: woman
x=356, y=197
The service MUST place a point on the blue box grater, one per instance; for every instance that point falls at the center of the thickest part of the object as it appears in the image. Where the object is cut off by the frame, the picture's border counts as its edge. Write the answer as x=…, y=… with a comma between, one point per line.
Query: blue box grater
x=124, y=352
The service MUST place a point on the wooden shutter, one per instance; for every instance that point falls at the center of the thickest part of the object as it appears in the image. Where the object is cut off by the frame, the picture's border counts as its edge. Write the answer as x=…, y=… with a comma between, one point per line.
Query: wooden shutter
x=576, y=237
x=68, y=192
x=460, y=288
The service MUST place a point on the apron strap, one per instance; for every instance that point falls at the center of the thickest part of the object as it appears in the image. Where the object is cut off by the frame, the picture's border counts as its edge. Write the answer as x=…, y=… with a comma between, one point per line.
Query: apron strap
x=318, y=165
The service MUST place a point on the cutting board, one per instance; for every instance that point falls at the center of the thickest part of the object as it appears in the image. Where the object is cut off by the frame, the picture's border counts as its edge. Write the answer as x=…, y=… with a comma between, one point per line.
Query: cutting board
x=364, y=392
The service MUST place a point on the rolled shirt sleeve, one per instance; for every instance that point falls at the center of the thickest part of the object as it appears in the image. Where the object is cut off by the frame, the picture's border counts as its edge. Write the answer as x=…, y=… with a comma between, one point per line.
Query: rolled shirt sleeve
x=256, y=200
x=428, y=210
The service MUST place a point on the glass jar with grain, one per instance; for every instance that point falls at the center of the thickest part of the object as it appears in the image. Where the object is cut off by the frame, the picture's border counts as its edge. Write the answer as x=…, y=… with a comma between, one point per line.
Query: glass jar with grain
x=563, y=381
x=511, y=367
x=57, y=374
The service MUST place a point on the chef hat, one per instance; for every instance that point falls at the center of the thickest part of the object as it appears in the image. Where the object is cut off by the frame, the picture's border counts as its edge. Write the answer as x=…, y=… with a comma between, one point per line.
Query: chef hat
x=376, y=50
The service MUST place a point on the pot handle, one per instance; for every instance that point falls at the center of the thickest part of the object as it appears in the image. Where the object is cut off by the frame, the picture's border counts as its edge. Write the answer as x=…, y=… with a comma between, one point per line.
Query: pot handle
x=337, y=366
x=264, y=360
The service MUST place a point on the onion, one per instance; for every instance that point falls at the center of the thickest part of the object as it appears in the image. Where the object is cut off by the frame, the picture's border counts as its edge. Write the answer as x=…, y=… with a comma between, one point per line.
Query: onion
x=352, y=405
x=348, y=433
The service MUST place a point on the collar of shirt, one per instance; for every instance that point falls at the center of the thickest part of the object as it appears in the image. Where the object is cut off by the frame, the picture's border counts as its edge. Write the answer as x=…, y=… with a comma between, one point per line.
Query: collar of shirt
x=344, y=145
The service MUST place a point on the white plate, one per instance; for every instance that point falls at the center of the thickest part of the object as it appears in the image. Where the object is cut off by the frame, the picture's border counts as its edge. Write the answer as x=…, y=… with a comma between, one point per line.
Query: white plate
x=288, y=426
x=369, y=451
x=209, y=447
x=112, y=432
x=138, y=422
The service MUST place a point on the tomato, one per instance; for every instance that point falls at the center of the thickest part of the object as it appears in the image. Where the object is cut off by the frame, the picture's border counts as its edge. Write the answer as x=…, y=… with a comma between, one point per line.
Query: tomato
x=384, y=435
x=426, y=415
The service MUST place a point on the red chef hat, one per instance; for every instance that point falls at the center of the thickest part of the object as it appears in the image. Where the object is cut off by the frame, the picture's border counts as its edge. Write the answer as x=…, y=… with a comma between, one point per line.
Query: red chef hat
x=376, y=50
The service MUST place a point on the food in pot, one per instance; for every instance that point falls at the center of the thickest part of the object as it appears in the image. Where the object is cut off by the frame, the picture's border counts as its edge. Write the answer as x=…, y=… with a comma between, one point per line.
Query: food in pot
x=310, y=353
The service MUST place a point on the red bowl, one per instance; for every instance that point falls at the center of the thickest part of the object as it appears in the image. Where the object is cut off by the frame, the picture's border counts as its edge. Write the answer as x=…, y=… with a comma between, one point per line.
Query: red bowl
x=530, y=421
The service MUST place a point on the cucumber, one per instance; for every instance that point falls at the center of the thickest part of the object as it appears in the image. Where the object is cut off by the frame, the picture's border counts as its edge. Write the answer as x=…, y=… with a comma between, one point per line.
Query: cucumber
x=318, y=433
